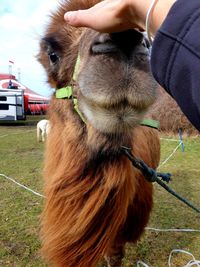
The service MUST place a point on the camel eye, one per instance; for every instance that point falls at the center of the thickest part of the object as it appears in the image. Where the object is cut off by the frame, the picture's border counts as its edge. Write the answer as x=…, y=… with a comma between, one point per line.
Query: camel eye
x=53, y=58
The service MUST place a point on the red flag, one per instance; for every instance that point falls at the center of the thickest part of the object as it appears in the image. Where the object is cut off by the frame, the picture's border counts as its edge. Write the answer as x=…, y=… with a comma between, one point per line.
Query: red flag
x=10, y=61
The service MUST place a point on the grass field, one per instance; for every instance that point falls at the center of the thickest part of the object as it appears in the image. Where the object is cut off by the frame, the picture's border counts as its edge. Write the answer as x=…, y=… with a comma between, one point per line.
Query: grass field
x=21, y=158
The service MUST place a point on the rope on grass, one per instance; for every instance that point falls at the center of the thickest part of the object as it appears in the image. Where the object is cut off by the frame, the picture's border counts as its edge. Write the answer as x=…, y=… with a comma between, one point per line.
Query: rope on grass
x=192, y=262
x=170, y=139
x=141, y=263
x=172, y=230
x=171, y=155
x=21, y=185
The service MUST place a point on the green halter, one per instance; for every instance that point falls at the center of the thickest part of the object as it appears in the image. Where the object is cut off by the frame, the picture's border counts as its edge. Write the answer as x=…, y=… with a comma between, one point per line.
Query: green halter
x=67, y=92
x=151, y=123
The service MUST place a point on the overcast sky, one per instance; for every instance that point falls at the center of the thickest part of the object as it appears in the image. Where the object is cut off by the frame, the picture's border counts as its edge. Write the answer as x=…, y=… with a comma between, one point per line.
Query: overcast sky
x=22, y=22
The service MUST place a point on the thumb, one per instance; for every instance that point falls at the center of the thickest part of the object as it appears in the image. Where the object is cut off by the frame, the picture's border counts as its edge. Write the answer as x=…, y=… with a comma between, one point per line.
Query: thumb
x=77, y=18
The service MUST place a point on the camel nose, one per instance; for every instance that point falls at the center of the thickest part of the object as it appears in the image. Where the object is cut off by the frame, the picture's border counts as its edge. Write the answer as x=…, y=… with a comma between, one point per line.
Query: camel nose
x=123, y=41
x=103, y=44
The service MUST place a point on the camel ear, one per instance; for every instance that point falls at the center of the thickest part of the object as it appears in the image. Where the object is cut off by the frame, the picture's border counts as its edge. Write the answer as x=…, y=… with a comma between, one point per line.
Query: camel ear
x=59, y=49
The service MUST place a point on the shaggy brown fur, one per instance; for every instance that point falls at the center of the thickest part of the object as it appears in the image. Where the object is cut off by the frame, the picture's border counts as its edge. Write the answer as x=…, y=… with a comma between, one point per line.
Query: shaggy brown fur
x=96, y=201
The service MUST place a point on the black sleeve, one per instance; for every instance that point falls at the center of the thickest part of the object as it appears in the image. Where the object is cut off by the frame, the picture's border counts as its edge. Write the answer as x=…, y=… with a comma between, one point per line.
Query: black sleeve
x=175, y=58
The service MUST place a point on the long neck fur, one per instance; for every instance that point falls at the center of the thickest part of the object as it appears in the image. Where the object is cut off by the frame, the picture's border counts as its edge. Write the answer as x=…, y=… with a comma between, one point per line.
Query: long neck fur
x=88, y=193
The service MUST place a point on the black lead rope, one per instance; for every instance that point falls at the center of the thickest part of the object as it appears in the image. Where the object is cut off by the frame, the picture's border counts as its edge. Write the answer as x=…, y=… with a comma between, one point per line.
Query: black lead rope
x=152, y=176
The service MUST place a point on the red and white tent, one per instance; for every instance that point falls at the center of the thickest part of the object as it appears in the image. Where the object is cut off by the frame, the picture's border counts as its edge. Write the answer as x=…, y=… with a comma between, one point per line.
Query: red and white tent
x=34, y=102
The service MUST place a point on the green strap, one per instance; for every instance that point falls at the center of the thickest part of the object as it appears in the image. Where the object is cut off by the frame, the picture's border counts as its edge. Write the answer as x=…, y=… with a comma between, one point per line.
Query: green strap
x=150, y=123
x=75, y=101
x=76, y=68
x=65, y=92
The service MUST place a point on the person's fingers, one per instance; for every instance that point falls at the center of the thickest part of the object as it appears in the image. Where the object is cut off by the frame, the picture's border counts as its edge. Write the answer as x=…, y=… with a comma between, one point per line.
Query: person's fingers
x=92, y=19
x=106, y=16
x=103, y=17
x=88, y=18
x=78, y=18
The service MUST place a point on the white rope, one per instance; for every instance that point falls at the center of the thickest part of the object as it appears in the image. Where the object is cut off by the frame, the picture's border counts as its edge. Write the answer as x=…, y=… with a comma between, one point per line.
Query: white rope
x=167, y=159
x=141, y=263
x=21, y=185
x=13, y=180
x=191, y=263
x=169, y=139
x=172, y=230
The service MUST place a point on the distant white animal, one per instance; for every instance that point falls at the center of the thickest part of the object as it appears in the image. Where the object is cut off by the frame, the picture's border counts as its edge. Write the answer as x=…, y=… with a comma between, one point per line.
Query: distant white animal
x=43, y=128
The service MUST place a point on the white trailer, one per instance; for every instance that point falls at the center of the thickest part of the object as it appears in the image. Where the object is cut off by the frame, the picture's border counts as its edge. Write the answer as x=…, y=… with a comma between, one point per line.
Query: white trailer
x=12, y=105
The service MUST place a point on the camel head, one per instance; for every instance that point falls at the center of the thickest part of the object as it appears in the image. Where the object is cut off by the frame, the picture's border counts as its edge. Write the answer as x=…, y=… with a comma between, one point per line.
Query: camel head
x=114, y=85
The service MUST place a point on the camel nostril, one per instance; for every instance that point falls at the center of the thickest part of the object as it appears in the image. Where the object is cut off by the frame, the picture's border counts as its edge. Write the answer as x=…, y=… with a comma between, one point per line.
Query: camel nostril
x=103, y=44
x=104, y=48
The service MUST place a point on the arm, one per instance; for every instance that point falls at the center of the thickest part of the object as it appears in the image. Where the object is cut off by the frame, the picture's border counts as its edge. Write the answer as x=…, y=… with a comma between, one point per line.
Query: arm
x=175, y=59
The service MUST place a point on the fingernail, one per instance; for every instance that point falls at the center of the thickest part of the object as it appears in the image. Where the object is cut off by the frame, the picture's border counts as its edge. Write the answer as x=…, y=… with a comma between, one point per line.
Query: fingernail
x=68, y=16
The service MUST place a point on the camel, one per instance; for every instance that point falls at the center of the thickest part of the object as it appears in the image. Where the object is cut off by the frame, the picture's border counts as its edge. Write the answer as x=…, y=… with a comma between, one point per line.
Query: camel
x=95, y=200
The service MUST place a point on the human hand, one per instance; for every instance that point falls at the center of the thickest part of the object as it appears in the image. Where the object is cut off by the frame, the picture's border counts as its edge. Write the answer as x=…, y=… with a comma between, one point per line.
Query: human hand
x=106, y=16
x=119, y=15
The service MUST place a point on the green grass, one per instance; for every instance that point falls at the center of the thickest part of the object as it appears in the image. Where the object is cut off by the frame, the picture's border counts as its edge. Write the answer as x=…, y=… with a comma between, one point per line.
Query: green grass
x=21, y=157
